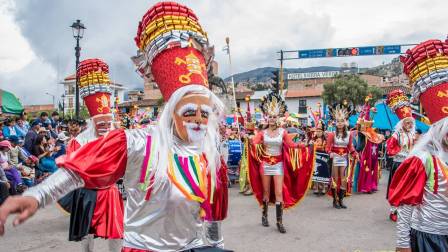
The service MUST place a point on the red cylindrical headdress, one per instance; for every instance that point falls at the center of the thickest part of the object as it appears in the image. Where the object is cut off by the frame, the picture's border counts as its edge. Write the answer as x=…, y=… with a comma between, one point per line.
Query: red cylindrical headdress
x=172, y=45
x=399, y=103
x=95, y=86
x=427, y=68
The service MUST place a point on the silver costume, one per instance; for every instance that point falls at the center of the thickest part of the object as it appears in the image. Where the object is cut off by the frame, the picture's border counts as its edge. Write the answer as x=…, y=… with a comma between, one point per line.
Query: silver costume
x=167, y=222
x=273, y=147
x=431, y=216
x=340, y=160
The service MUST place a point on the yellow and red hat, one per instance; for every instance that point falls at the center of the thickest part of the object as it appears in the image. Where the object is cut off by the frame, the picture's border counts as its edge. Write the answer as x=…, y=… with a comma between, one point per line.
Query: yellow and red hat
x=399, y=103
x=427, y=68
x=173, y=48
x=94, y=85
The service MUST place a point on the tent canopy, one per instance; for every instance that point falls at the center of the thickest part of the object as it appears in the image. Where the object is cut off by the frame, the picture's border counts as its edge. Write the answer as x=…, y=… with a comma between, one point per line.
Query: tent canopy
x=385, y=119
x=9, y=103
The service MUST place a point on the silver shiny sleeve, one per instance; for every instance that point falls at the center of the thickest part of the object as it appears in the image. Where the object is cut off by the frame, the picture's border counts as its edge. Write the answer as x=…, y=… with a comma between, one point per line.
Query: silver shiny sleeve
x=55, y=187
x=404, y=226
x=213, y=233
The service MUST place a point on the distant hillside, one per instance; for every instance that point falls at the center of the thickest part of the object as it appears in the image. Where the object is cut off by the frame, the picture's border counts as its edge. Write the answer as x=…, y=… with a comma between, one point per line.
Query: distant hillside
x=393, y=68
x=265, y=73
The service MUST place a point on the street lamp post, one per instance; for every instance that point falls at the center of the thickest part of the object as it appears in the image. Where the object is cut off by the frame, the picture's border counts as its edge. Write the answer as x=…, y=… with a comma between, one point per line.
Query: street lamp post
x=52, y=96
x=63, y=106
x=78, y=32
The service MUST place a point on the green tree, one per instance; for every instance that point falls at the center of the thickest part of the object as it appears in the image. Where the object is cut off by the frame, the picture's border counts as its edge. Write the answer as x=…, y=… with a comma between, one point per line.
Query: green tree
x=350, y=88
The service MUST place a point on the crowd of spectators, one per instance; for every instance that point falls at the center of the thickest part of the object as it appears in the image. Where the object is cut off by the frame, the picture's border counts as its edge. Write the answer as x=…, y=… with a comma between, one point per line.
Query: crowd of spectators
x=29, y=148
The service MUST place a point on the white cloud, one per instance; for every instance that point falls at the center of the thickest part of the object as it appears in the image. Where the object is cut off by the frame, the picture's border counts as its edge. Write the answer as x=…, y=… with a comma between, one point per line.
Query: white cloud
x=257, y=28
x=15, y=51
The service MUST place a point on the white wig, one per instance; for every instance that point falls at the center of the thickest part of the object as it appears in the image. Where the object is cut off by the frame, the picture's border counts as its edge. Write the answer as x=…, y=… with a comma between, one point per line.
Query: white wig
x=89, y=134
x=166, y=136
x=432, y=140
x=399, y=126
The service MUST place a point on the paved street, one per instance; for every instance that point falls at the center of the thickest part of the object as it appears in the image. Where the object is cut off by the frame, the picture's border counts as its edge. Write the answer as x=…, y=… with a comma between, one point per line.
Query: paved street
x=312, y=226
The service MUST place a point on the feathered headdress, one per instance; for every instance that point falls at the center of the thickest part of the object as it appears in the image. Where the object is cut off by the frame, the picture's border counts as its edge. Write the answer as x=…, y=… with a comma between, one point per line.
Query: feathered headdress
x=340, y=113
x=273, y=104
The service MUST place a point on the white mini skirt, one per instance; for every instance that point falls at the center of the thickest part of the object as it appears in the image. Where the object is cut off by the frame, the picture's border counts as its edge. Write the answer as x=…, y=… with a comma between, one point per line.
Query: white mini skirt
x=339, y=160
x=272, y=170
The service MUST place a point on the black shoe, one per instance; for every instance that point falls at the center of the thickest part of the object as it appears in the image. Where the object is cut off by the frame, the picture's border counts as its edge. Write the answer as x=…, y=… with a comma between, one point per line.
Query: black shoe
x=341, y=199
x=335, y=202
x=264, y=216
x=279, y=214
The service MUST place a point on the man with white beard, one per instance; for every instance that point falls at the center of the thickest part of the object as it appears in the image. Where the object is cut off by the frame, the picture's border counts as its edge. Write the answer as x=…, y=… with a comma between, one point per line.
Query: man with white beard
x=173, y=174
x=419, y=187
x=94, y=212
x=401, y=142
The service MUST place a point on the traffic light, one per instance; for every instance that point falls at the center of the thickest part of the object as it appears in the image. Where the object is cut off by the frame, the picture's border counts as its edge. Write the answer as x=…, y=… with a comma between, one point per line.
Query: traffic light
x=276, y=80
x=352, y=51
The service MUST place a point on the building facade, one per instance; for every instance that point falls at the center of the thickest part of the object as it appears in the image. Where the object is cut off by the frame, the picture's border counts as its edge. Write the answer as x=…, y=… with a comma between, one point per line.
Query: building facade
x=68, y=98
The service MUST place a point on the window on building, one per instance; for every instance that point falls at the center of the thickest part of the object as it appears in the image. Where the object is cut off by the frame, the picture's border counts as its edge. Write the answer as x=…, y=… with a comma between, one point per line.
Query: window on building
x=71, y=90
x=70, y=102
x=302, y=106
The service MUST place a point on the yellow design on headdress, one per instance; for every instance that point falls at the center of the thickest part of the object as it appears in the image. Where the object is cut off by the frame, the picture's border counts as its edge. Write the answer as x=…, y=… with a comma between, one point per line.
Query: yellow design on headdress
x=194, y=66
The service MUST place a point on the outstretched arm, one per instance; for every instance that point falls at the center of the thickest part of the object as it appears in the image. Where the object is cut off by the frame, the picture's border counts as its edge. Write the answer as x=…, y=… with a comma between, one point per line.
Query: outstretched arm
x=99, y=163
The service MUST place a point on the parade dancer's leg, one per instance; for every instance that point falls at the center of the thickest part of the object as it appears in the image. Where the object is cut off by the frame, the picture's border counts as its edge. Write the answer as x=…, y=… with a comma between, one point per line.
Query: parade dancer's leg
x=343, y=189
x=278, y=184
x=266, y=192
x=393, y=210
x=88, y=243
x=334, y=184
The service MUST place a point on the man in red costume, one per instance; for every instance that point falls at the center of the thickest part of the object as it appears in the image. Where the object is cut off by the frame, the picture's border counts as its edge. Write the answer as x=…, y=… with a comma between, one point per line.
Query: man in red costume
x=94, y=212
x=401, y=142
x=419, y=187
x=173, y=174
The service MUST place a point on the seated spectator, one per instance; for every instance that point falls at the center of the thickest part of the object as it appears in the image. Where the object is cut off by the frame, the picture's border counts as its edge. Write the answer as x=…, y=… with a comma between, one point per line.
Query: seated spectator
x=21, y=128
x=13, y=175
x=54, y=120
x=44, y=132
x=1, y=131
x=61, y=143
x=9, y=128
x=30, y=137
x=23, y=117
x=18, y=159
x=44, y=120
x=73, y=129
x=4, y=186
x=43, y=151
x=52, y=132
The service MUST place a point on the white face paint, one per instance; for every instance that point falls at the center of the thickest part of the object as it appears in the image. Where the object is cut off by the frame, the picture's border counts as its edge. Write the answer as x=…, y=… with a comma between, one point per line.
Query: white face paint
x=196, y=132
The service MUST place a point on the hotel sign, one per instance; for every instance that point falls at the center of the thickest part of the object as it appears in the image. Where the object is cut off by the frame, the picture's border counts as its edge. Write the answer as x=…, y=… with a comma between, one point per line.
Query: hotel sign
x=312, y=75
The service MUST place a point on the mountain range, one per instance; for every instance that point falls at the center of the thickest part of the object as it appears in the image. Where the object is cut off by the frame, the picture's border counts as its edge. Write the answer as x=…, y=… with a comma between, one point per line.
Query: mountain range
x=264, y=74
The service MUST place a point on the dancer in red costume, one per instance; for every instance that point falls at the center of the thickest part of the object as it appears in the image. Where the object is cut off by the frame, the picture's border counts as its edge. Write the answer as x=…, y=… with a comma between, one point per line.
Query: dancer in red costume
x=94, y=212
x=176, y=182
x=339, y=146
x=401, y=142
x=279, y=169
x=419, y=187
x=367, y=141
